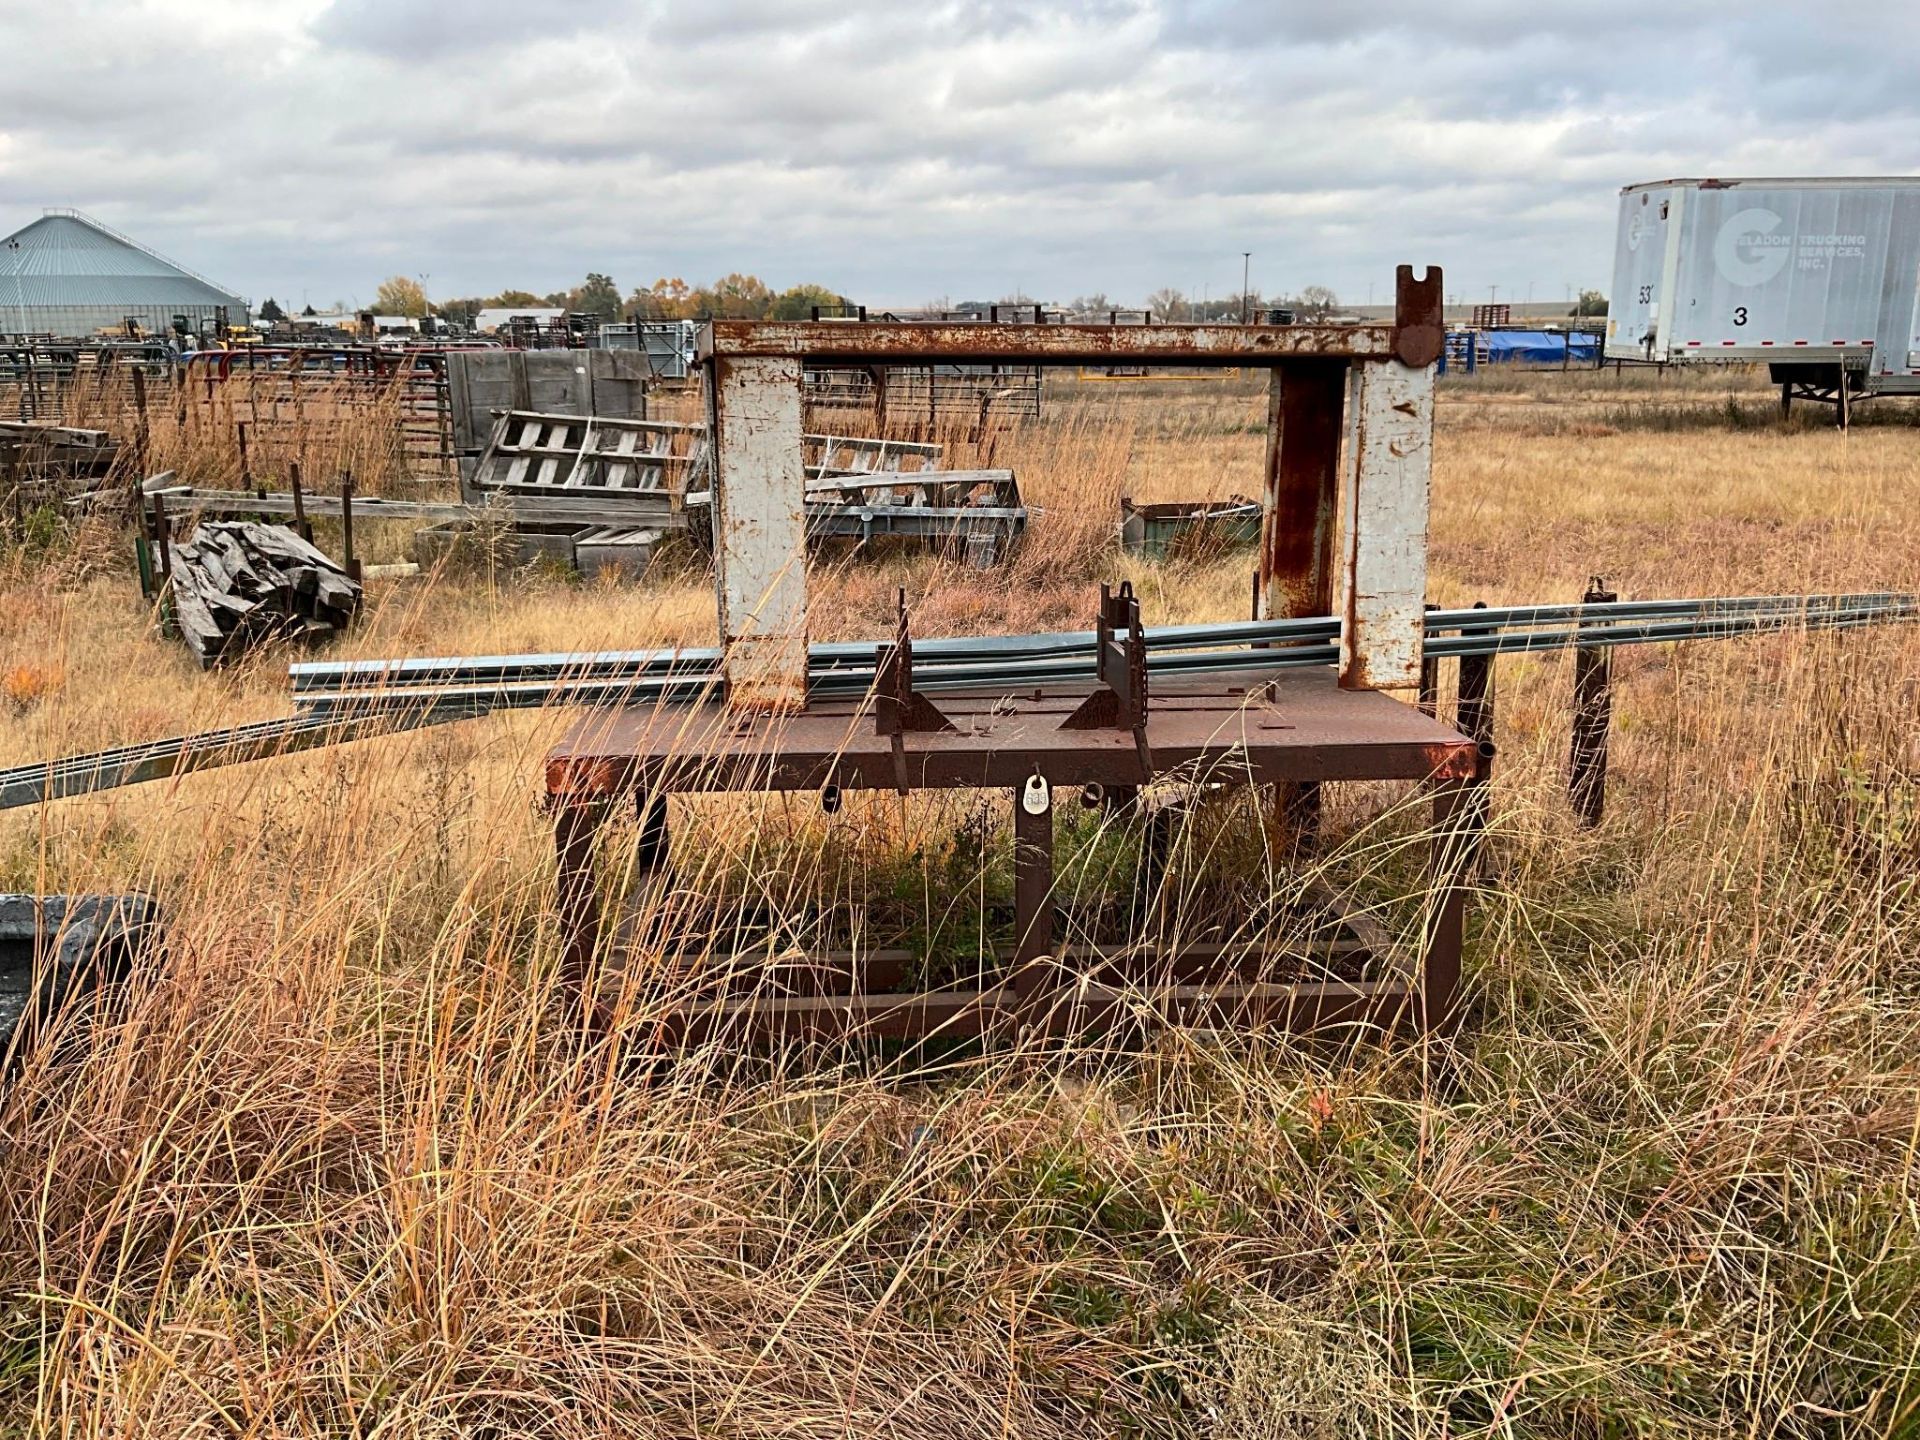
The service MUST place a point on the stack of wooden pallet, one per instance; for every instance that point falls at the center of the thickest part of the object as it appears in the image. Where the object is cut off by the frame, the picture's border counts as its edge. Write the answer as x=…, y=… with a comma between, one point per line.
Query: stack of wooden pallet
x=235, y=584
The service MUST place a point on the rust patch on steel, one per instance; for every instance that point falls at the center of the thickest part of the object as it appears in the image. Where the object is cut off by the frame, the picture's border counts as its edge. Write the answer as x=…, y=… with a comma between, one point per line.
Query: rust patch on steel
x=1453, y=762
x=573, y=776
x=1302, y=489
x=1419, y=317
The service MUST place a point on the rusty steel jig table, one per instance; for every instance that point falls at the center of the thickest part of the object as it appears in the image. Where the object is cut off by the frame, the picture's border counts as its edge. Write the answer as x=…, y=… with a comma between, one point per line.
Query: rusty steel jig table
x=1344, y=533
x=1290, y=727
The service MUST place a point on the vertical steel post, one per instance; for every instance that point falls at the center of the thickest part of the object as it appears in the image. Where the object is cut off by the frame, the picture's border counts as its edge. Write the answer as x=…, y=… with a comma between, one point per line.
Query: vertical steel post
x=1429, y=700
x=1457, y=822
x=759, y=529
x=650, y=854
x=1592, y=718
x=161, y=536
x=163, y=540
x=1305, y=402
x=142, y=434
x=1295, y=577
x=301, y=525
x=1385, y=483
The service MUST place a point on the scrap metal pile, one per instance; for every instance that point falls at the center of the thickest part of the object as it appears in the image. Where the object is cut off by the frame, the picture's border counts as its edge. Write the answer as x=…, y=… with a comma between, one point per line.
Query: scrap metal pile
x=347, y=700
x=655, y=473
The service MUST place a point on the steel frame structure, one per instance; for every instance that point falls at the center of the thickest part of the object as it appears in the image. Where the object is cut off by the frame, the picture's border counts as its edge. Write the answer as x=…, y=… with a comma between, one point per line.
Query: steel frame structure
x=1344, y=528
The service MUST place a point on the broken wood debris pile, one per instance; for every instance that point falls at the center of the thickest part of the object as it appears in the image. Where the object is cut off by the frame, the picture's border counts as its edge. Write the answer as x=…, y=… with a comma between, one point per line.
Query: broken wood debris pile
x=236, y=584
x=32, y=449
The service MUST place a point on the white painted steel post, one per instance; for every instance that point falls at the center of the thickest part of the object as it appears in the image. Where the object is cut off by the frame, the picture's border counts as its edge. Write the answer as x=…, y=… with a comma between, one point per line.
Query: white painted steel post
x=1385, y=482
x=759, y=529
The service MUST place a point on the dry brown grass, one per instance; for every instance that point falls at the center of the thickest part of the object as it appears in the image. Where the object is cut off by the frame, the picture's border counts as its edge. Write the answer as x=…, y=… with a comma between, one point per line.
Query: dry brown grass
x=335, y=1168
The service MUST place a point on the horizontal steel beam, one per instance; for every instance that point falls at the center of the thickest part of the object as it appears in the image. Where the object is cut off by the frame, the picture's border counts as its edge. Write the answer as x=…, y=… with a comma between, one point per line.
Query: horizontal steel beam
x=899, y=343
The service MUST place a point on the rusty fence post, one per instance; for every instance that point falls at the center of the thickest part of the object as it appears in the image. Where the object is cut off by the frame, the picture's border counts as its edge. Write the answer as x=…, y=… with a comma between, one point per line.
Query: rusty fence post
x=161, y=536
x=348, y=563
x=142, y=433
x=302, y=526
x=1032, y=901
x=1473, y=717
x=1592, y=716
x=163, y=542
x=1429, y=700
x=576, y=822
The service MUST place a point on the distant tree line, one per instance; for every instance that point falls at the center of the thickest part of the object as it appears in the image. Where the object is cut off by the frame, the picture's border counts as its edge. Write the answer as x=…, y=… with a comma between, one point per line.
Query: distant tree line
x=732, y=297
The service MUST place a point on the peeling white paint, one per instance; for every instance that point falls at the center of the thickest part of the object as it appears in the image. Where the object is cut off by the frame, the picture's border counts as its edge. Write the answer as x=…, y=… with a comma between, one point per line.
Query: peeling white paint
x=759, y=518
x=1386, y=481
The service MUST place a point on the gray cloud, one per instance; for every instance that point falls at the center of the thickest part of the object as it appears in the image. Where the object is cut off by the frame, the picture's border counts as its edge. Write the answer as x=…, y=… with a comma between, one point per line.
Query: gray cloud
x=409, y=31
x=896, y=152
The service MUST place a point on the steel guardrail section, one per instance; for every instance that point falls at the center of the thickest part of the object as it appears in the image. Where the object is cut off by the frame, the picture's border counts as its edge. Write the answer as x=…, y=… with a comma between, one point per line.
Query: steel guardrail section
x=337, y=715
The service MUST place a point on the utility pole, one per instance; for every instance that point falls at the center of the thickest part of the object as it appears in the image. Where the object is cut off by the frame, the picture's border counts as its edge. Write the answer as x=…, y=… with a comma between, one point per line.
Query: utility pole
x=1246, y=287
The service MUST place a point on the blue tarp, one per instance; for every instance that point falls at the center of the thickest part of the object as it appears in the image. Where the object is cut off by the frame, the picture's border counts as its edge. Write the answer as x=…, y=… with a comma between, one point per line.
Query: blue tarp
x=1537, y=347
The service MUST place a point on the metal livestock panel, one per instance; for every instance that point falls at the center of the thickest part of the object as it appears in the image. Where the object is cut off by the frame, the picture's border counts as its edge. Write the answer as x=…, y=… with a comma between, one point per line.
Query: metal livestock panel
x=1783, y=271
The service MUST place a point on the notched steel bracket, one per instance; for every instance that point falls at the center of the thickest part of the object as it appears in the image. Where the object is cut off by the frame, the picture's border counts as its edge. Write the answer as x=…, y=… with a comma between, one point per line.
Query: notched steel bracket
x=1419, y=317
x=897, y=706
x=1119, y=699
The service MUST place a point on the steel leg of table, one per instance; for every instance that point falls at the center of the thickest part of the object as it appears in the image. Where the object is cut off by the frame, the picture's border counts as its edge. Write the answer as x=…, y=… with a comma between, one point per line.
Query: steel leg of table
x=1032, y=909
x=577, y=899
x=1459, y=816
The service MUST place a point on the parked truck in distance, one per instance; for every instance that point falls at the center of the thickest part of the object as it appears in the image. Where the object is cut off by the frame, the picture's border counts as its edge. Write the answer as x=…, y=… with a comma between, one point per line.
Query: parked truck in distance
x=1818, y=279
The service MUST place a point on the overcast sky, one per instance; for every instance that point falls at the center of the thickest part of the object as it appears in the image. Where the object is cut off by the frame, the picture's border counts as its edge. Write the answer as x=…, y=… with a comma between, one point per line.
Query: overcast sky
x=901, y=152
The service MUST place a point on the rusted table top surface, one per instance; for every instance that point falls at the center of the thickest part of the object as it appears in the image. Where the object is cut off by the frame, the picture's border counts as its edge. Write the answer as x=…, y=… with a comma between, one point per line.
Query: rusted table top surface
x=1259, y=726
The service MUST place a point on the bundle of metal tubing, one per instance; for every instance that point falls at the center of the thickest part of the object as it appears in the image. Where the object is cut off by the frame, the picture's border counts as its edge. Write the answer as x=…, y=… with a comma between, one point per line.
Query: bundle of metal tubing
x=340, y=701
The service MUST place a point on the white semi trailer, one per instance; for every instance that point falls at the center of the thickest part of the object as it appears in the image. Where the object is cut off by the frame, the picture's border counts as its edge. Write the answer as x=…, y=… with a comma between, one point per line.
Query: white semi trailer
x=1817, y=279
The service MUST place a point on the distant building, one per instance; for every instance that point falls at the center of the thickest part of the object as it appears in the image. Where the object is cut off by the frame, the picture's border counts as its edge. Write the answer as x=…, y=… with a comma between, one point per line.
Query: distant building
x=488, y=321
x=328, y=320
x=68, y=275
